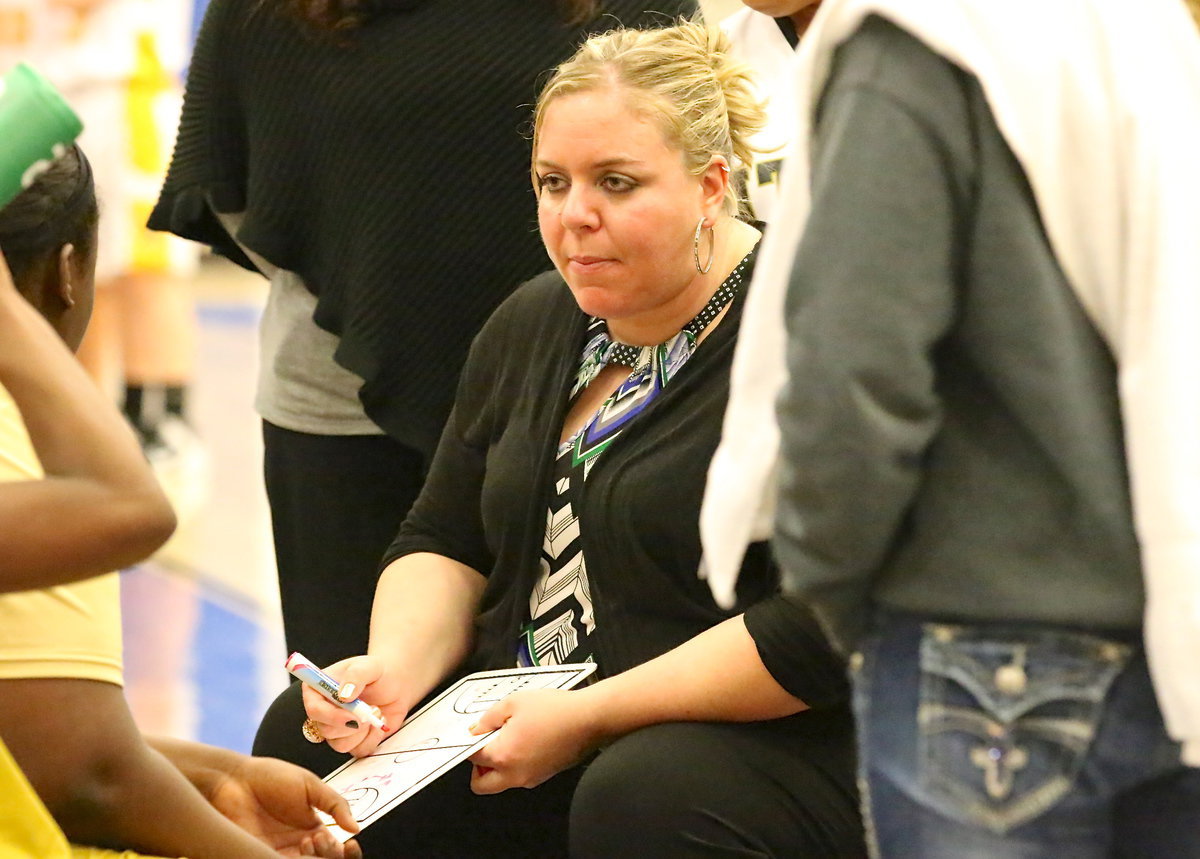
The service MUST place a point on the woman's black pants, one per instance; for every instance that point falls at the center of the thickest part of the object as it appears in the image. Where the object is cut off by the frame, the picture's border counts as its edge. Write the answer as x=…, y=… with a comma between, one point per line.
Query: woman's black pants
x=336, y=505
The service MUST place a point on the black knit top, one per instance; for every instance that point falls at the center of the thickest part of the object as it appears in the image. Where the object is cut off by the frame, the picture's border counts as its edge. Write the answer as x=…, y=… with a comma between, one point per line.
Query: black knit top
x=485, y=501
x=390, y=170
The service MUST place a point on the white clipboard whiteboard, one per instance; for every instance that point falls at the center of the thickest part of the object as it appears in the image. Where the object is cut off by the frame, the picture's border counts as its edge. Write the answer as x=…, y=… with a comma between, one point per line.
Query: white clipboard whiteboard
x=434, y=739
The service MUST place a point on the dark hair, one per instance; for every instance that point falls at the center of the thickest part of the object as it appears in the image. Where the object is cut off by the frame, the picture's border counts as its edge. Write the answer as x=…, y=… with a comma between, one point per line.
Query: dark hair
x=579, y=11
x=344, y=15
x=58, y=208
x=331, y=15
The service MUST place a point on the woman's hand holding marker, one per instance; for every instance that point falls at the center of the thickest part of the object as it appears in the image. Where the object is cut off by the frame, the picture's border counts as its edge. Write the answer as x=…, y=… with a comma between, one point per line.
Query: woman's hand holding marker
x=343, y=696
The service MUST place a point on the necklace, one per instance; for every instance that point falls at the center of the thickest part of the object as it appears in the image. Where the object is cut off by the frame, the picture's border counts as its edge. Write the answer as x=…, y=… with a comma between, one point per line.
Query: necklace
x=602, y=350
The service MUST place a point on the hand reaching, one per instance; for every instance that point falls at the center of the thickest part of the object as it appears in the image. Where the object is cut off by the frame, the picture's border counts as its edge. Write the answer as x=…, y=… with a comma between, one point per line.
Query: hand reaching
x=274, y=802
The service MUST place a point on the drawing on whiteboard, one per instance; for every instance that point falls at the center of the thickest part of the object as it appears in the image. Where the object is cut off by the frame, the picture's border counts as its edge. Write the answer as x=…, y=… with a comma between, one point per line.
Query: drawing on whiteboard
x=479, y=698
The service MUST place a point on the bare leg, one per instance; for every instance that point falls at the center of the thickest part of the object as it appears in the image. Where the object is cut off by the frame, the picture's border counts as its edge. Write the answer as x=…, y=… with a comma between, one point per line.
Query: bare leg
x=158, y=329
x=100, y=352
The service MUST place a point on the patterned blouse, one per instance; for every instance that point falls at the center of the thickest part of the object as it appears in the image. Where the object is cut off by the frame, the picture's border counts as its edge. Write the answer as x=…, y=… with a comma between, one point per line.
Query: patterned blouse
x=561, y=616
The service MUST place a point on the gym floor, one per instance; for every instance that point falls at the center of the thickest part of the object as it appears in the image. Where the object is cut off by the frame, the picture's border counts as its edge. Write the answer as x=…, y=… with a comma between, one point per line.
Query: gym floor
x=204, y=647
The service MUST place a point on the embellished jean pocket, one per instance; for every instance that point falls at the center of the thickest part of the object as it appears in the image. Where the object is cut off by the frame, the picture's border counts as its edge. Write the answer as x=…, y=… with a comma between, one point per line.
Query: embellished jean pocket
x=1006, y=718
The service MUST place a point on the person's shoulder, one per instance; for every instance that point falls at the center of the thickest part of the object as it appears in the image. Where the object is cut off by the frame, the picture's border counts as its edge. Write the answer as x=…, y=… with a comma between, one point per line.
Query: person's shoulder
x=238, y=23
x=547, y=292
x=228, y=11
x=539, y=312
x=887, y=59
x=542, y=300
x=226, y=26
x=882, y=52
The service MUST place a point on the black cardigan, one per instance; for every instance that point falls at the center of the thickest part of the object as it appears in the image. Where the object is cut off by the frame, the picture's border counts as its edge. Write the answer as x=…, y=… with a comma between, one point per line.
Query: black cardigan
x=389, y=170
x=485, y=501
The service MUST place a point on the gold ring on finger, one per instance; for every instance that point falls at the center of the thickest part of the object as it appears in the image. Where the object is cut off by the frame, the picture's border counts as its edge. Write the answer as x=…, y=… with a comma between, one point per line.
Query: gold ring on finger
x=311, y=732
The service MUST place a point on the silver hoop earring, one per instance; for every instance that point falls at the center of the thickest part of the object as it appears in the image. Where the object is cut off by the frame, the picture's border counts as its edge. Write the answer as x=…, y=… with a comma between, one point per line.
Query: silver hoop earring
x=712, y=247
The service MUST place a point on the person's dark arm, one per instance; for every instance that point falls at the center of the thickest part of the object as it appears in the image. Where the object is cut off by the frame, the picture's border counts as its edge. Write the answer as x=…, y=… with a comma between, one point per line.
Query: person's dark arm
x=76, y=743
x=271, y=799
x=871, y=293
x=99, y=507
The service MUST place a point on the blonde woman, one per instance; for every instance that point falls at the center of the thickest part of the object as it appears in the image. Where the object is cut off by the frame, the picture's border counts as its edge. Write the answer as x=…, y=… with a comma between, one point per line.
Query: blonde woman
x=559, y=522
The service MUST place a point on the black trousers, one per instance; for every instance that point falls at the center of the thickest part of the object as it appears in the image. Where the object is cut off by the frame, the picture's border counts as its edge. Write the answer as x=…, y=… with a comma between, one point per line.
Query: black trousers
x=336, y=504
x=697, y=789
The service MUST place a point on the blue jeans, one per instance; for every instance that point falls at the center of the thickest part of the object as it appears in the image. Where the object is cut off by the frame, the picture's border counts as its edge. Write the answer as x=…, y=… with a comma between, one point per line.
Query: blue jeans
x=1017, y=741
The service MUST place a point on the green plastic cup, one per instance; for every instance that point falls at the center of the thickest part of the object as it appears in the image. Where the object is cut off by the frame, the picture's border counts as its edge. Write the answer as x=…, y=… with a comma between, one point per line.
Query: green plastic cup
x=36, y=127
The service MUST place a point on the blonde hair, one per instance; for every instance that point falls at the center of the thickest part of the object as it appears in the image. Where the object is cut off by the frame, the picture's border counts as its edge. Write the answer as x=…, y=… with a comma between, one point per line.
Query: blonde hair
x=1194, y=8
x=684, y=77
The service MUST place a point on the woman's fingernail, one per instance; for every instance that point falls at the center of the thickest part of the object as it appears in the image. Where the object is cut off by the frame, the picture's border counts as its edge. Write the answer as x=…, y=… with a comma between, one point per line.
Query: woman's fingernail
x=352, y=724
x=346, y=693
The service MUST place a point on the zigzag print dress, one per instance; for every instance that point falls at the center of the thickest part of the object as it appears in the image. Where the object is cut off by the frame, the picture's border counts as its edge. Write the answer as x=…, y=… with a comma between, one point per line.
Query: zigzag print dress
x=561, y=616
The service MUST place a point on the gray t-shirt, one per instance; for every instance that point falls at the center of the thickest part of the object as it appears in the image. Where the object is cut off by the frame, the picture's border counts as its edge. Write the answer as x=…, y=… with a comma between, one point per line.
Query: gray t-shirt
x=300, y=385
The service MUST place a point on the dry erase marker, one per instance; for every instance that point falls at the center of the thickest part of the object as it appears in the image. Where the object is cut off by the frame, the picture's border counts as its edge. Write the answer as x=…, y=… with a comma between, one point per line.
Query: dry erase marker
x=313, y=676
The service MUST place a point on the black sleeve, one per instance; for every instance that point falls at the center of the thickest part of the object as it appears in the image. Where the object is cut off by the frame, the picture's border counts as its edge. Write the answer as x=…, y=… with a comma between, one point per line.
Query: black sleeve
x=872, y=292
x=209, y=161
x=794, y=650
x=446, y=518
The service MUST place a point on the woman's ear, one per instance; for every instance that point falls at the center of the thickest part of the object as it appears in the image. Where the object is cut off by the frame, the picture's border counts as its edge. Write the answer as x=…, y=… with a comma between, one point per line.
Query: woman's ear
x=714, y=183
x=66, y=275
